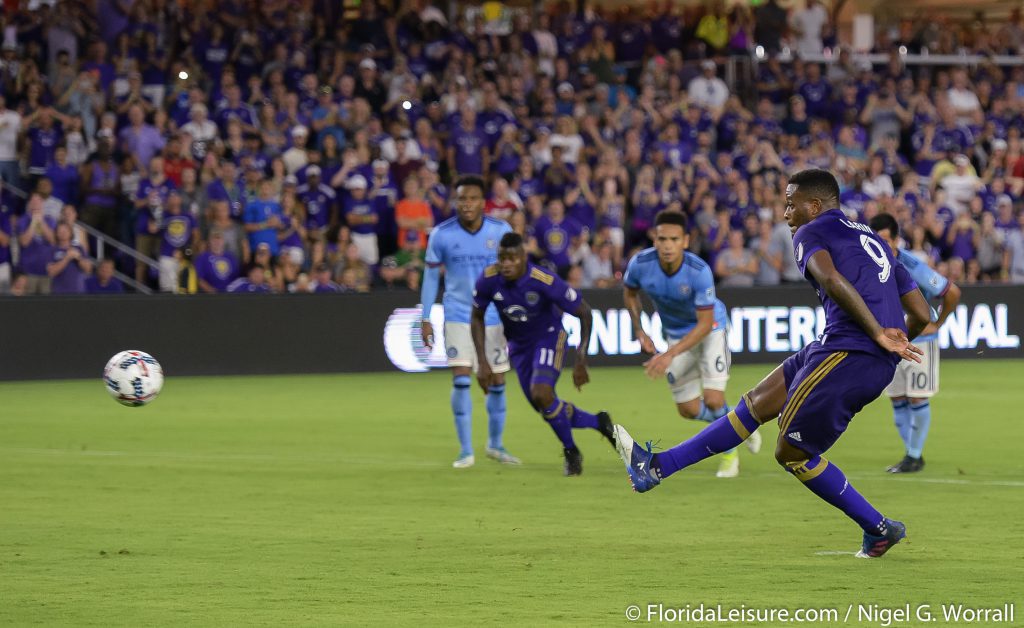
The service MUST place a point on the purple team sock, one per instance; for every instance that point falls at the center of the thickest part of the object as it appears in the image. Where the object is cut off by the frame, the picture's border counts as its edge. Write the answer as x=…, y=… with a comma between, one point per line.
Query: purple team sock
x=828, y=482
x=558, y=419
x=721, y=435
x=580, y=418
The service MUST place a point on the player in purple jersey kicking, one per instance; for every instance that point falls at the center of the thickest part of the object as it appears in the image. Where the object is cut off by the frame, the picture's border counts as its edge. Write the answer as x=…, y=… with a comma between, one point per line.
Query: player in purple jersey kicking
x=817, y=391
x=530, y=302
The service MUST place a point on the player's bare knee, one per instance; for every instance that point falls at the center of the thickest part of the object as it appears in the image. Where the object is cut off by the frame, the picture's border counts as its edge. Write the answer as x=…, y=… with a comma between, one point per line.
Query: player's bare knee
x=542, y=397
x=785, y=453
x=714, y=400
x=688, y=409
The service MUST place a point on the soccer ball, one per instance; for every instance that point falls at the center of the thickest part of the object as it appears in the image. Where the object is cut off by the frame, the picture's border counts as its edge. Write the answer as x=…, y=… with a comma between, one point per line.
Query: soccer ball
x=133, y=378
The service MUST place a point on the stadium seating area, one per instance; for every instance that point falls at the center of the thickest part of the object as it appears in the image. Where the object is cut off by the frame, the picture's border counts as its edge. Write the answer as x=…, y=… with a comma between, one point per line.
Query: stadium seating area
x=285, y=147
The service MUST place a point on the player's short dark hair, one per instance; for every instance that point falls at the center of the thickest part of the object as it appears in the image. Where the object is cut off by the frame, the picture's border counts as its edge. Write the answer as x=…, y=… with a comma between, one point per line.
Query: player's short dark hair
x=669, y=217
x=885, y=222
x=472, y=181
x=511, y=240
x=816, y=182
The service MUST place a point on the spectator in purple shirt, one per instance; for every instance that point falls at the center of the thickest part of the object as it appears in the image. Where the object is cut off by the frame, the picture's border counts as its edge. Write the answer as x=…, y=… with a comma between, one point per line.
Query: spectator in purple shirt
x=43, y=135
x=35, y=237
x=139, y=138
x=558, y=236
x=104, y=281
x=468, y=151
x=216, y=268
x=68, y=266
x=178, y=231
x=63, y=176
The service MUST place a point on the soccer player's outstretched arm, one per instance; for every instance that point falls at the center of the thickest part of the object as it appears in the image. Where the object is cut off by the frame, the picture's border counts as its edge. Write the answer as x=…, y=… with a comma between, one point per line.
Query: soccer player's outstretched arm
x=846, y=296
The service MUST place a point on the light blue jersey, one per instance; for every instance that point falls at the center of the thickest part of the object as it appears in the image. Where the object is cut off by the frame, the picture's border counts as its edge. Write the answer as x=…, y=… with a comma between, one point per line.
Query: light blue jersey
x=677, y=296
x=464, y=255
x=932, y=284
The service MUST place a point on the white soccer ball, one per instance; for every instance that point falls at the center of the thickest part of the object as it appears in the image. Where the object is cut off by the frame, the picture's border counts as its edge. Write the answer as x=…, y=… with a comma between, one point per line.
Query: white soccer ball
x=133, y=378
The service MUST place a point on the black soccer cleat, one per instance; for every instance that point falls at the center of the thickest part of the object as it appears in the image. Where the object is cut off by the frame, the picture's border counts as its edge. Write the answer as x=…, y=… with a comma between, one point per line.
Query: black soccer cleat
x=606, y=427
x=573, y=461
x=907, y=465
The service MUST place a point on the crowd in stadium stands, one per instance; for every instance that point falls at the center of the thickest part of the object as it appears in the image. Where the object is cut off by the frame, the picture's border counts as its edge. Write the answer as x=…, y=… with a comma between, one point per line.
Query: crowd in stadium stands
x=279, y=146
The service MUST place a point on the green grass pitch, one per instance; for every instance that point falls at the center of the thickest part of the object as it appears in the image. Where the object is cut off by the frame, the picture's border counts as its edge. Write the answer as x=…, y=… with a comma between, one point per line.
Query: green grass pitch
x=330, y=500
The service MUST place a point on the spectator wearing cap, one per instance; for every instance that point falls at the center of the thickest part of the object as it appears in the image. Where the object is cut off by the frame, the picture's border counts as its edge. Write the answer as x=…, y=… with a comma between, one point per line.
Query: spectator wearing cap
x=363, y=217
x=322, y=282
x=961, y=185
x=998, y=165
x=178, y=232
x=321, y=204
x=264, y=216
x=707, y=90
x=296, y=157
x=565, y=99
x=369, y=86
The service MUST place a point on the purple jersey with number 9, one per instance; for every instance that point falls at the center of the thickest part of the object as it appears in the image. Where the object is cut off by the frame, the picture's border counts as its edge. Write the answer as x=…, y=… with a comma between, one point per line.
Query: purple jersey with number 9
x=867, y=263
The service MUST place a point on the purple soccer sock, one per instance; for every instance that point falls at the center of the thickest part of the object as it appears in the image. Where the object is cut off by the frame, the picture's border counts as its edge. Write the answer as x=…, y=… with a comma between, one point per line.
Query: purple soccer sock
x=558, y=419
x=580, y=418
x=828, y=482
x=720, y=435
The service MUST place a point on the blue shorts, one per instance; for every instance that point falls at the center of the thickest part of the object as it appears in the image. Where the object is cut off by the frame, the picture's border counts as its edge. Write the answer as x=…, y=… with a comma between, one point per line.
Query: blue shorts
x=539, y=362
x=825, y=389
